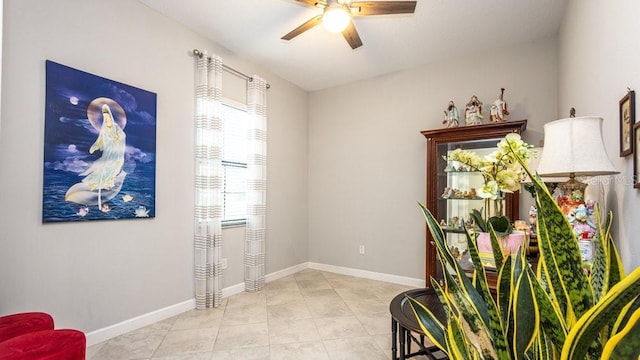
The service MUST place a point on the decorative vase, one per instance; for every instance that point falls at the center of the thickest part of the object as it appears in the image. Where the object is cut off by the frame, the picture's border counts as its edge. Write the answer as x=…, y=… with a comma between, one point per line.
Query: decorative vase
x=509, y=244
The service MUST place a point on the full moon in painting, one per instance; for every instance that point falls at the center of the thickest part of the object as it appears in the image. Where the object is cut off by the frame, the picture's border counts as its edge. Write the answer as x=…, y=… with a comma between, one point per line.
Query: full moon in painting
x=73, y=100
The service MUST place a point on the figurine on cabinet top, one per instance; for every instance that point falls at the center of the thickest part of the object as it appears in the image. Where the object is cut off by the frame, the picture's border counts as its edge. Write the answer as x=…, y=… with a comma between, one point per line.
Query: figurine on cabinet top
x=498, y=111
x=451, y=116
x=473, y=111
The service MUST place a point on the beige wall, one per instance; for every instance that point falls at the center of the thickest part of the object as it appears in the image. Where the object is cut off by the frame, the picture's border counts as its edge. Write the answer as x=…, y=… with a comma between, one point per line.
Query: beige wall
x=367, y=156
x=599, y=57
x=96, y=274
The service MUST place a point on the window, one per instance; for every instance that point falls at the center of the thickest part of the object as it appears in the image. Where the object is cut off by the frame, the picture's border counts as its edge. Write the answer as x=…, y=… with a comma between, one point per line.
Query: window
x=234, y=163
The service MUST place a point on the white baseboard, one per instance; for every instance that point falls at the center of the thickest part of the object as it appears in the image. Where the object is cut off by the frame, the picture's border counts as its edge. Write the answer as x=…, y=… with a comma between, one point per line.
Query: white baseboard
x=138, y=322
x=232, y=290
x=402, y=280
x=285, y=272
x=238, y=288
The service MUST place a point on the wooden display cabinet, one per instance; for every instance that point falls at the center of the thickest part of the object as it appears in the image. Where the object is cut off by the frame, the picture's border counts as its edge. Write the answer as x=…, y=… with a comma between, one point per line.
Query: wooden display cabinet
x=479, y=138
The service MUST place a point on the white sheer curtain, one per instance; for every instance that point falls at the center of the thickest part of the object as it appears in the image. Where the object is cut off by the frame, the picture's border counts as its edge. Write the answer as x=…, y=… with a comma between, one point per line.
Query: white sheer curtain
x=254, y=248
x=208, y=182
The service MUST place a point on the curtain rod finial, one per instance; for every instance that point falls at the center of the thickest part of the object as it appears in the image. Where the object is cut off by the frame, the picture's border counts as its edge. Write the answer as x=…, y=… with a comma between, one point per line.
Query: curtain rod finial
x=197, y=53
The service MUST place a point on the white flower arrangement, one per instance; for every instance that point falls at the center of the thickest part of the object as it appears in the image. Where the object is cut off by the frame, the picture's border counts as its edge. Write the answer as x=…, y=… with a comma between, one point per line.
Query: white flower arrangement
x=501, y=171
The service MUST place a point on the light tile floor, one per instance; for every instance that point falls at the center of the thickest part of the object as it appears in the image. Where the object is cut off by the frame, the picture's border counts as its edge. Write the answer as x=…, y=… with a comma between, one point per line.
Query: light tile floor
x=306, y=316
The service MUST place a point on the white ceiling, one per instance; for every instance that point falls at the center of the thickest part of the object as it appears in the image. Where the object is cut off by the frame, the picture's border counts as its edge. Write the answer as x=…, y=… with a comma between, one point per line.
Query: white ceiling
x=318, y=59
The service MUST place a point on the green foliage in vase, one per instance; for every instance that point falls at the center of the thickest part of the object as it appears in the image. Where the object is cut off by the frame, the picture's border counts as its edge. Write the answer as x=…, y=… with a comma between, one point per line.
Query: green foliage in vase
x=501, y=224
x=555, y=311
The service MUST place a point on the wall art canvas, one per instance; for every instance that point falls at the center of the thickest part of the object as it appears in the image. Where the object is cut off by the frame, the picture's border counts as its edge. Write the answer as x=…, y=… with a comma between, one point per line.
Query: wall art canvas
x=99, y=148
x=627, y=121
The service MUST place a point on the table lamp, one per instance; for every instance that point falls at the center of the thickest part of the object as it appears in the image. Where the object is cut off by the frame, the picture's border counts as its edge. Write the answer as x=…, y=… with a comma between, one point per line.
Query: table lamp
x=574, y=147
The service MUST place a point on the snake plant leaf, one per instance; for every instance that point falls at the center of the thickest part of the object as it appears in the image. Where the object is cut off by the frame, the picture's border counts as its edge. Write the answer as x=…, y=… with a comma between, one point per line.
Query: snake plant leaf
x=562, y=249
x=481, y=276
x=541, y=275
x=444, y=299
x=607, y=223
x=525, y=313
x=601, y=260
x=429, y=324
x=544, y=348
x=478, y=219
x=458, y=345
x=616, y=271
x=601, y=265
x=518, y=267
x=447, y=258
x=510, y=325
x=498, y=256
x=445, y=302
x=515, y=277
x=565, y=255
x=438, y=236
x=550, y=270
x=551, y=318
x=500, y=224
x=504, y=290
x=625, y=314
x=625, y=344
x=496, y=328
x=470, y=321
x=588, y=327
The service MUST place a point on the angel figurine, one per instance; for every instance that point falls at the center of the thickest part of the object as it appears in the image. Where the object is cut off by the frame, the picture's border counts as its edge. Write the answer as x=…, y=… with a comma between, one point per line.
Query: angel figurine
x=451, y=116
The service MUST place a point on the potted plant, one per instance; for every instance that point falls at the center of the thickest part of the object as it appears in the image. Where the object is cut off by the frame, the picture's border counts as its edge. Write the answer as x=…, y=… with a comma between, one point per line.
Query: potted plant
x=555, y=311
x=502, y=174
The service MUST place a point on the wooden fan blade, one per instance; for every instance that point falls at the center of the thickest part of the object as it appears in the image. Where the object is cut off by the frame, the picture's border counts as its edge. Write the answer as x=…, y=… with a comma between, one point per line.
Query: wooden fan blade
x=304, y=27
x=316, y=3
x=351, y=35
x=364, y=8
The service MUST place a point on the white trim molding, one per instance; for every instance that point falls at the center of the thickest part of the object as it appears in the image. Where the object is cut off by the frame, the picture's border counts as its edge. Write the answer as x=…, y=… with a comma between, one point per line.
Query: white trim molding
x=402, y=280
x=138, y=322
x=109, y=332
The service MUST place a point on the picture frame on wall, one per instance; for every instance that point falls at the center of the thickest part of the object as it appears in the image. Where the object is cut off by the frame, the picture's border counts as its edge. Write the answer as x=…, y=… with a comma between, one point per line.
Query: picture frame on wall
x=99, y=148
x=627, y=122
x=636, y=156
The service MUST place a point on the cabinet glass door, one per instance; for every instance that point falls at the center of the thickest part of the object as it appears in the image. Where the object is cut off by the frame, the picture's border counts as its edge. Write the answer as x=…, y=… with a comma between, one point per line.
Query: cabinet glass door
x=450, y=189
x=459, y=185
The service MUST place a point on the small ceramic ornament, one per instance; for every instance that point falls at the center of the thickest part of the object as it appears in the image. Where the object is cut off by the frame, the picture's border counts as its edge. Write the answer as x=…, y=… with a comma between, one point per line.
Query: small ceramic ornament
x=451, y=118
x=473, y=111
x=498, y=111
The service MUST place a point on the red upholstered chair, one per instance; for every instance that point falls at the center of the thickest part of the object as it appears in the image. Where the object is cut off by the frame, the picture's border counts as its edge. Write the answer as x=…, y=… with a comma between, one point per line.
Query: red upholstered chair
x=24, y=323
x=45, y=345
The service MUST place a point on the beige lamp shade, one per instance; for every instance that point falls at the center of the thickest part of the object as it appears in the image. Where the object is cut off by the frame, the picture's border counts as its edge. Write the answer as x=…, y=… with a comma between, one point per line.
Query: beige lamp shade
x=574, y=146
x=533, y=165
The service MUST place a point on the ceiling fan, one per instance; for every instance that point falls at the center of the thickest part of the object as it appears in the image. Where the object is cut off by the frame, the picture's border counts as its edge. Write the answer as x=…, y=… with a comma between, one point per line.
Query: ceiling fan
x=337, y=16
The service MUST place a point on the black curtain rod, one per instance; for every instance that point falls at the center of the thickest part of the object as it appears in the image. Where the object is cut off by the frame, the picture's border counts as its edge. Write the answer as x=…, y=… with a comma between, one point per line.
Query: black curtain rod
x=200, y=54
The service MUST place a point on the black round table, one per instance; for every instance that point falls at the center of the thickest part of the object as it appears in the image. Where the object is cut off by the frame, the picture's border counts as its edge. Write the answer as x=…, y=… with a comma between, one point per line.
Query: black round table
x=403, y=319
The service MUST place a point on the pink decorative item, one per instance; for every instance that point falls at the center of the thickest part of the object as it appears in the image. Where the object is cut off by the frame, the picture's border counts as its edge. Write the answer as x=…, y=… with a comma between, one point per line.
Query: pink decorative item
x=511, y=242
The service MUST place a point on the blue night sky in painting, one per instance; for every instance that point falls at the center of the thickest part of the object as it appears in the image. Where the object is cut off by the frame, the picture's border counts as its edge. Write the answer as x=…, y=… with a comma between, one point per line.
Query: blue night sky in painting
x=126, y=154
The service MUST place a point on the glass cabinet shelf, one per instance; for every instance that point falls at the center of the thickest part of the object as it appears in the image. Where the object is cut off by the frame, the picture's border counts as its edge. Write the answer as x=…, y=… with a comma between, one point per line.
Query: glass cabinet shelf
x=462, y=198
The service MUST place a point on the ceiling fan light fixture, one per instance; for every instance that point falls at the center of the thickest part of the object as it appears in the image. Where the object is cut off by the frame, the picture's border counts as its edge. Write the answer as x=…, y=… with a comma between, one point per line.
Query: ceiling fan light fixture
x=336, y=18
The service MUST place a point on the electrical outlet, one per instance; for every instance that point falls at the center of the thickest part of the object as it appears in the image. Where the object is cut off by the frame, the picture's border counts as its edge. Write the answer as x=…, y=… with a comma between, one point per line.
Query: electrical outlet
x=361, y=249
x=223, y=263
